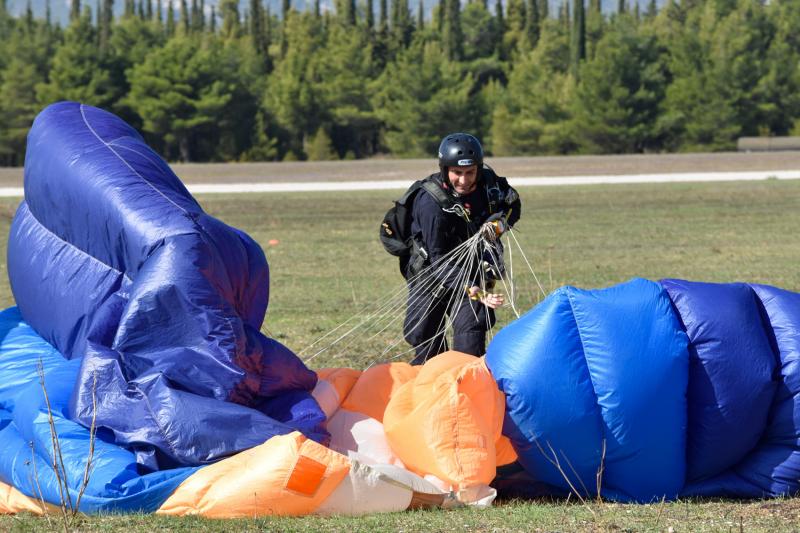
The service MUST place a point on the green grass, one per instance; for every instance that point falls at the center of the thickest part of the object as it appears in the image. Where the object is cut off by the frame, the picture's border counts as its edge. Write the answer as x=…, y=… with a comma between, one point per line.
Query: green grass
x=328, y=265
x=700, y=517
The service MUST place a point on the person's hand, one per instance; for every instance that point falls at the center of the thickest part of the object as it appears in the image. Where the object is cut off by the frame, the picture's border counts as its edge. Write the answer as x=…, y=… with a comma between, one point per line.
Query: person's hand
x=494, y=226
x=491, y=300
x=491, y=230
x=488, y=231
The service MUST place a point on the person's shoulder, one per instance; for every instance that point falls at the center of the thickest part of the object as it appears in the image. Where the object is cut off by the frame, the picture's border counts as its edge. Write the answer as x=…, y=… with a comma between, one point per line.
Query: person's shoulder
x=489, y=174
x=425, y=200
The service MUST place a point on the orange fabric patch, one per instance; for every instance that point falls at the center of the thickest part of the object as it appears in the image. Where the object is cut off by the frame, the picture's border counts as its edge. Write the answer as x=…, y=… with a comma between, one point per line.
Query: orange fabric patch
x=306, y=476
x=13, y=501
x=254, y=482
x=342, y=379
x=448, y=421
x=376, y=386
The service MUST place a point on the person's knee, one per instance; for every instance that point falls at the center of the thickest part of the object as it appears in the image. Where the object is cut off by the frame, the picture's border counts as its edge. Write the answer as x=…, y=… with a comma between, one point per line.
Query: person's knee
x=429, y=348
x=470, y=342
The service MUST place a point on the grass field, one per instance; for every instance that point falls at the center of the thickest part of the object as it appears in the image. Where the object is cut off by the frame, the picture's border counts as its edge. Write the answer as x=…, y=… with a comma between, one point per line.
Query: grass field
x=329, y=265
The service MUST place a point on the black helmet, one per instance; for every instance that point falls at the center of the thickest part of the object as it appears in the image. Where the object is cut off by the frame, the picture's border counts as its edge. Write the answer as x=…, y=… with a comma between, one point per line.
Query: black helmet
x=460, y=150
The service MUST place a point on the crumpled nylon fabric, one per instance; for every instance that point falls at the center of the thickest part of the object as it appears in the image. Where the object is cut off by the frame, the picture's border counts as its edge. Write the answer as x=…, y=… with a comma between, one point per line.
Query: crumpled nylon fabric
x=114, y=263
x=115, y=482
x=668, y=390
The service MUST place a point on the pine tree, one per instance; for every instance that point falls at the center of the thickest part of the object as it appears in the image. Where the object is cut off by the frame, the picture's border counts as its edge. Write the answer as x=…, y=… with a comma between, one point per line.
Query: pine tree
x=532, y=114
x=267, y=24
x=652, y=9
x=621, y=7
x=185, y=26
x=369, y=15
x=383, y=16
x=594, y=27
x=349, y=12
x=320, y=147
x=453, y=36
x=480, y=39
x=4, y=18
x=170, y=26
x=621, y=94
x=578, y=37
x=18, y=107
x=423, y=95
x=498, y=15
x=401, y=23
x=293, y=95
x=231, y=24
x=258, y=33
x=544, y=9
x=77, y=71
x=515, y=39
x=28, y=17
x=194, y=17
x=192, y=98
x=74, y=10
x=286, y=7
x=532, y=23
x=106, y=19
x=421, y=15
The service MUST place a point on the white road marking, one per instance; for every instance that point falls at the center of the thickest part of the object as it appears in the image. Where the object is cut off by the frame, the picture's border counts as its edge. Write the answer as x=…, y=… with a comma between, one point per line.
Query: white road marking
x=544, y=181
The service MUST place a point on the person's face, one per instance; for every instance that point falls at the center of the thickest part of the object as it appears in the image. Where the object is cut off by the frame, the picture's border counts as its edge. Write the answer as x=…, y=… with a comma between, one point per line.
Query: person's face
x=463, y=179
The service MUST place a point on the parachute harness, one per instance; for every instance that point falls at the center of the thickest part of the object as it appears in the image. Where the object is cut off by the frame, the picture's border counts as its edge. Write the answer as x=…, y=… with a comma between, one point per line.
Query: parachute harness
x=389, y=312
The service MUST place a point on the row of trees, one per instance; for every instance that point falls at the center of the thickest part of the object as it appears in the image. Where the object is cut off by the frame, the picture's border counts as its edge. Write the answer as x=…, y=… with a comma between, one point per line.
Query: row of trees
x=213, y=83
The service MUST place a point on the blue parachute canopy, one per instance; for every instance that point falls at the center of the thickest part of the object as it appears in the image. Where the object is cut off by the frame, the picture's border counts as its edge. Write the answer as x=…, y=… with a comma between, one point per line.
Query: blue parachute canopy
x=26, y=462
x=643, y=391
x=114, y=263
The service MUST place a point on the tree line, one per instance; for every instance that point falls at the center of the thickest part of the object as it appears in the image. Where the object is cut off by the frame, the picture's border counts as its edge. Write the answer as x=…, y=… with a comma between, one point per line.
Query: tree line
x=216, y=83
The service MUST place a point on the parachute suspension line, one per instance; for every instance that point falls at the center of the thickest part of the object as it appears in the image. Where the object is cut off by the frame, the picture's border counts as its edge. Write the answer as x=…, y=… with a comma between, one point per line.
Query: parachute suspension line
x=512, y=293
x=389, y=308
x=418, y=294
x=414, y=296
x=397, y=296
x=462, y=266
x=507, y=281
x=470, y=247
x=389, y=305
x=522, y=253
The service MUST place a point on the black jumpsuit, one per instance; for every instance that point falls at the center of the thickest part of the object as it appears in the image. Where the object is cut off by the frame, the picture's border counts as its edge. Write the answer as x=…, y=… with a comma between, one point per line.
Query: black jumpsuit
x=439, y=232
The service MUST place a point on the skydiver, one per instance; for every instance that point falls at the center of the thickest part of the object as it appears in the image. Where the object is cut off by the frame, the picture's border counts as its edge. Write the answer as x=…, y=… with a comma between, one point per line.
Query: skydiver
x=466, y=197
